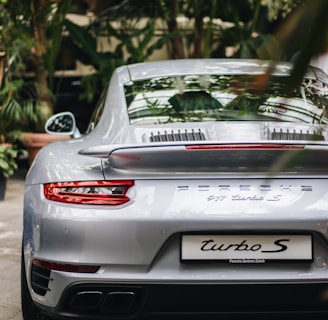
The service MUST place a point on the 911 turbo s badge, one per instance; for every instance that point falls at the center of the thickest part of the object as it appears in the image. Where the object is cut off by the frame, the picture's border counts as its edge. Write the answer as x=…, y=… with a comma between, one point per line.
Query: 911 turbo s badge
x=251, y=197
x=246, y=192
x=237, y=197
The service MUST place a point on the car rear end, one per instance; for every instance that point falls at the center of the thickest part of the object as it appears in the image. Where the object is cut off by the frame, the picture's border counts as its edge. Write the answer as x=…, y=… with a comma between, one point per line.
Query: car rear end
x=201, y=208
x=196, y=229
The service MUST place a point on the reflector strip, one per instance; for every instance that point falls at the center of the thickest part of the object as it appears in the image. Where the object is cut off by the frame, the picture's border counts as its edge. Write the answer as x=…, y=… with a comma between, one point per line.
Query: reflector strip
x=66, y=267
x=244, y=146
x=89, y=192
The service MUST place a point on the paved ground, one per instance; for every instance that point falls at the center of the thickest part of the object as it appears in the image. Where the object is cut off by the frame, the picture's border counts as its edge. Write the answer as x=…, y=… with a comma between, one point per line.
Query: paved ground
x=10, y=246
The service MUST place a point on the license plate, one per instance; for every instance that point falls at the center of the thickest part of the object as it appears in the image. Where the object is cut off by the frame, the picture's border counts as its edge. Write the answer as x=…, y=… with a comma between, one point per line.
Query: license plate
x=246, y=249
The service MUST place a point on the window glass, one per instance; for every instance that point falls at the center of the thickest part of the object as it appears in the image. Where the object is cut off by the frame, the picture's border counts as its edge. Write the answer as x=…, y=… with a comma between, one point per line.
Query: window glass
x=97, y=112
x=225, y=97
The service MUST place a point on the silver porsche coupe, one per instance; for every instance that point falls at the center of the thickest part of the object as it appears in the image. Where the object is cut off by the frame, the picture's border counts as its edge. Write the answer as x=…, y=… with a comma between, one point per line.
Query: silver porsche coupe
x=200, y=190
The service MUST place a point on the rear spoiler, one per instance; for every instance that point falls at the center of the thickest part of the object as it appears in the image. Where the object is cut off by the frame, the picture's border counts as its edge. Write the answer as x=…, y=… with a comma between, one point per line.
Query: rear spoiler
x=275, y=157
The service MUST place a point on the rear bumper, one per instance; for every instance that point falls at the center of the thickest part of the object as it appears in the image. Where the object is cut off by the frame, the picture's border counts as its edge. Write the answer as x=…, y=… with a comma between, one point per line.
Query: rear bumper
x=203, y=301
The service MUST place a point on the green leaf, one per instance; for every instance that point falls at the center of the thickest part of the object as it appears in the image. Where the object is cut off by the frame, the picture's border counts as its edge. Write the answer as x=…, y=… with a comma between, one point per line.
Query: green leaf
x=83, y=39
x=8, y=156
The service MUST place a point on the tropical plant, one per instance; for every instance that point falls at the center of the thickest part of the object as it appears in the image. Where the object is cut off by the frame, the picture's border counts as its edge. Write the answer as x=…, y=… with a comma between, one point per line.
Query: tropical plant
x=8, y=159
x=30, y=38
x=20, y=108
x=134, y=45
x=202, y=28
x=305, y=31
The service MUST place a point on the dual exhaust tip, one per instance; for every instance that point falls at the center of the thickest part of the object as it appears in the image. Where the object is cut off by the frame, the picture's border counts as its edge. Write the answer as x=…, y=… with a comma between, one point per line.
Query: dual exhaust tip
x=114, y=302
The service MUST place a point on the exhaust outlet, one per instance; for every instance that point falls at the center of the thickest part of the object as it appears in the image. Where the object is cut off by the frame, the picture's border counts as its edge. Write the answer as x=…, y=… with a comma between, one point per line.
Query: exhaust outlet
x=119, y=301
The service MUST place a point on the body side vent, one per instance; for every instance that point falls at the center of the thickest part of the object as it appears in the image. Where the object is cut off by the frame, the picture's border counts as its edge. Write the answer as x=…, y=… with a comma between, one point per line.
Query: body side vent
x=40, y=278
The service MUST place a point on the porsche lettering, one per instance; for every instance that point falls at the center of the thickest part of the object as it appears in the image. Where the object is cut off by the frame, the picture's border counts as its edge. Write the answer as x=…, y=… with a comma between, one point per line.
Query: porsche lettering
x=262, y=188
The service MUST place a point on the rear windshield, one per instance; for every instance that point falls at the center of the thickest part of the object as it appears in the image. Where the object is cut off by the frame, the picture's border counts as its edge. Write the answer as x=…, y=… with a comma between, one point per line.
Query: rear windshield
x=197, y=98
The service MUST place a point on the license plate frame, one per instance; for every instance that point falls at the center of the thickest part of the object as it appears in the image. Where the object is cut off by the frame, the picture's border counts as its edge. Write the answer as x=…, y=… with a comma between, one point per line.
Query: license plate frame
x=246, y=248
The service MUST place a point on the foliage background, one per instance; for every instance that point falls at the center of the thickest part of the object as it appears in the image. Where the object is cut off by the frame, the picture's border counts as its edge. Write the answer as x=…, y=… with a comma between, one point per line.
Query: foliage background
x=32, y=34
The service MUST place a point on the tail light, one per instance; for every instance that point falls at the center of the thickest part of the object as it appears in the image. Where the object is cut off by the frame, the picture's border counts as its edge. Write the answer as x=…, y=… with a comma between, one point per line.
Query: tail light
x=89, y=192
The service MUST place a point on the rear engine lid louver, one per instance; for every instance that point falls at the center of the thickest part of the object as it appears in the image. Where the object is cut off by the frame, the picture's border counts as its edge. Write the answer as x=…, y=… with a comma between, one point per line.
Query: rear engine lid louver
x=177, y=135
x=294, y=135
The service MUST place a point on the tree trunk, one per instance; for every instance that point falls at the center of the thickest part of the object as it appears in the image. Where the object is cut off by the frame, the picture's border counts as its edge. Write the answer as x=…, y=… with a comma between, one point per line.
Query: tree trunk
x=177, y=45
x=2, y=57
x=41, y=73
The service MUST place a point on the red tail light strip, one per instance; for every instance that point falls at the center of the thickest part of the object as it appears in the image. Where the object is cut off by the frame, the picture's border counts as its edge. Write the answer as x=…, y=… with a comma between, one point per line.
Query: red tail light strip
x=66, y=267
x=89, y=192
x=244, y=146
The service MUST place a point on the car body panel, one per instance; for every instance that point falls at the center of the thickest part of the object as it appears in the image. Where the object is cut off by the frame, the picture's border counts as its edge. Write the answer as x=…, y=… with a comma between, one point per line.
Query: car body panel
x=255, y=177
